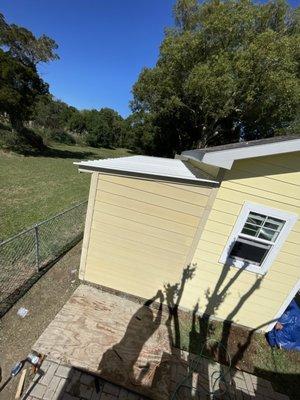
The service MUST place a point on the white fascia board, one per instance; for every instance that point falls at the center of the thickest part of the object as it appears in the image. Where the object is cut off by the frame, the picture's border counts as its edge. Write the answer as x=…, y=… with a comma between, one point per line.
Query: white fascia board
x=225, y=158
x=133, y=173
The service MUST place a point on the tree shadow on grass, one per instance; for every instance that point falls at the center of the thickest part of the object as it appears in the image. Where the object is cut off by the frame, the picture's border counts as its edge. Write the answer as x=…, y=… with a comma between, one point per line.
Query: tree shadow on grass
x=55, y=153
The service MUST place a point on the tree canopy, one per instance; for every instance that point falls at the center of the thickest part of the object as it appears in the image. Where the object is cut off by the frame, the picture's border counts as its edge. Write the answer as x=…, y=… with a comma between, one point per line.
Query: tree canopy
x=20, y=83
x=228, y=70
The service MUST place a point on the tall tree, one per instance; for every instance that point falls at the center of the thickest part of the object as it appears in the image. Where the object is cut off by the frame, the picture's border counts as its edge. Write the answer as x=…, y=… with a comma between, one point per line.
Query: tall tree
x=20, y=83
x=227, y=70
x=24, y=46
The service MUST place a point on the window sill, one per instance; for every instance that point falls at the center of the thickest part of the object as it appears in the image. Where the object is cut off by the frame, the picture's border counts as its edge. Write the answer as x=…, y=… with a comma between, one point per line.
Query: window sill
x=245, y=266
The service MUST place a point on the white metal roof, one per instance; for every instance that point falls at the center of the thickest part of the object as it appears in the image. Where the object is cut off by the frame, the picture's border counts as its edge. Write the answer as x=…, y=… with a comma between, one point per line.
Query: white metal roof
x=145, y=165
x=224, y=156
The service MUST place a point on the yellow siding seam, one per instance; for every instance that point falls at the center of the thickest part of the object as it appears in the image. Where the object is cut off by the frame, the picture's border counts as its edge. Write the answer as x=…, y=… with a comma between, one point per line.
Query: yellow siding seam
x=203, y=219
x=88, y=224
x=132, y=187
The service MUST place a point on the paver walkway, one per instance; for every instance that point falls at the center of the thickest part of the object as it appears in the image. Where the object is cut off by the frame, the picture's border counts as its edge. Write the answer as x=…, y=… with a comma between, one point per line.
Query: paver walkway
x=60, y=382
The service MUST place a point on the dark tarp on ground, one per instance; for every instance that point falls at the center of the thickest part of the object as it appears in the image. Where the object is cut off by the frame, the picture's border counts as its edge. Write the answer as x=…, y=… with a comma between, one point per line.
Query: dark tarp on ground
x=289, y=336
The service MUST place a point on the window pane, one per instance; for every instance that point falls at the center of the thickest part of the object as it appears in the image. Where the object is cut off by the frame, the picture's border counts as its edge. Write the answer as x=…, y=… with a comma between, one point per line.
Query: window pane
x=248, y=231
x=255, y=218
x=249, y=251
x=268, y=234
x=274, y=223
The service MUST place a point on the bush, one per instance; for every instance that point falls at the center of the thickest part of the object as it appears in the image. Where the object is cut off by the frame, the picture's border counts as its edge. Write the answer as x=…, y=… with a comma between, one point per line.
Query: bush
x=24, y=140
x=62, y=137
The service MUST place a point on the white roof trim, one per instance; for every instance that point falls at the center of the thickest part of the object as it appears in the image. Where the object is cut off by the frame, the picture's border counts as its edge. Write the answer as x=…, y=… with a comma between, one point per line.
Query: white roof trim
x=146, y=166
x=225, y=158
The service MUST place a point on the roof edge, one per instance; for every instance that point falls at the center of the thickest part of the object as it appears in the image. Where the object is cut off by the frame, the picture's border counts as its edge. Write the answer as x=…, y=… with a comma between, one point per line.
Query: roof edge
x=225, y=158
x=112, y=171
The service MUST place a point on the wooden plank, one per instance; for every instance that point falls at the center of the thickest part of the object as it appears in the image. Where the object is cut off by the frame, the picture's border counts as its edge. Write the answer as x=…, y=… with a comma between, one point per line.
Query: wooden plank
x=20, y=384
x=112, y=338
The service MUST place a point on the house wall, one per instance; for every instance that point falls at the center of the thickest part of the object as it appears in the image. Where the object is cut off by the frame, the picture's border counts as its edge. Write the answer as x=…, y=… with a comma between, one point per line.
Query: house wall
x=235, y=294
x=140, y=233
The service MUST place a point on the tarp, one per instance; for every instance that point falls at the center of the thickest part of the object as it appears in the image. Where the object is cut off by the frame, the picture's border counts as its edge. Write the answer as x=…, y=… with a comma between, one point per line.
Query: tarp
x=289, y=336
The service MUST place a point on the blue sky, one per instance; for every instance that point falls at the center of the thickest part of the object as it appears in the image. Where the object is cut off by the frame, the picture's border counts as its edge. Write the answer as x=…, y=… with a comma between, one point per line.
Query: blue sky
x=103, y=45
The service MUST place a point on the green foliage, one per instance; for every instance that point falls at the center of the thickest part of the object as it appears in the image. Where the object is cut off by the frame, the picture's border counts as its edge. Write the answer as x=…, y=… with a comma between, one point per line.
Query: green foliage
x=62, y=137
x=52, y=114
x=105, y=128
x=227, y=70
x=19, y=87
x=64, y=124
x=20, y=83
x=24, y=46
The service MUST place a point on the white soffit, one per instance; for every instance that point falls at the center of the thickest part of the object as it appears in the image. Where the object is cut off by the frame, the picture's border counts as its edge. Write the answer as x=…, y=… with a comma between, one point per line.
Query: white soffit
x=146, y=166
x=225, y=158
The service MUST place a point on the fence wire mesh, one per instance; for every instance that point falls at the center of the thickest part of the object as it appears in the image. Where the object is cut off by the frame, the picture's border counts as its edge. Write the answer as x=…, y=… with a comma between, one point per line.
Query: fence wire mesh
x=27, y=253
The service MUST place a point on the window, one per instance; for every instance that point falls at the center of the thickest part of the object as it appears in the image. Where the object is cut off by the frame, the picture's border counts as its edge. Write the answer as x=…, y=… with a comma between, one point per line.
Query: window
x=257, y=237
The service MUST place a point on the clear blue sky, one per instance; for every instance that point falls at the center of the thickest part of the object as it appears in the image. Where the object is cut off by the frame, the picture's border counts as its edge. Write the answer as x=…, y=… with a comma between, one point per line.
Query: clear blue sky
x=103, y=45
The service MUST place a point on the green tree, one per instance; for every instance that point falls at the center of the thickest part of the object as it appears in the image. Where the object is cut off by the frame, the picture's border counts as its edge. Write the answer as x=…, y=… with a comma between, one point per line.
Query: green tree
x=22, y=45
x=77, y=122
x=228, y=70
x=104, y=128
x=20, y=83
x=19, y=87
x=52, y=114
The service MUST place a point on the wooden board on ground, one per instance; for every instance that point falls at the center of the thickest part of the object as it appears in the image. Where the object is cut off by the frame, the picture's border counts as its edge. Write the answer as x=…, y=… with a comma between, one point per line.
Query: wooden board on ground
x=115, y=338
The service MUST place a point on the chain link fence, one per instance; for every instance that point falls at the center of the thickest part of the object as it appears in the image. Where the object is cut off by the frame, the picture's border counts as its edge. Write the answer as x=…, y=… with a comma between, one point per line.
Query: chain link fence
x=24, y=256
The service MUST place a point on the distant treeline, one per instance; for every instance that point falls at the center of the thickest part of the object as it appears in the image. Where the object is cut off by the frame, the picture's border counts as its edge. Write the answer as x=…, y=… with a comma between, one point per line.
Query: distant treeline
x=57, y=121
x=226, y=71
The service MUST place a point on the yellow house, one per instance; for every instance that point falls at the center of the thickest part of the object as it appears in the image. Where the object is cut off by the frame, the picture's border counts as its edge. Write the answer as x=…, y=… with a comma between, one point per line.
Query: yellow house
x=230, y=212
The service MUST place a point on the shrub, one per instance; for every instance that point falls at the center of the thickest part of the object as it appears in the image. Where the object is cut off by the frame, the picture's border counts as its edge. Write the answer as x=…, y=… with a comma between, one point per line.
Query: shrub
x=62, y=137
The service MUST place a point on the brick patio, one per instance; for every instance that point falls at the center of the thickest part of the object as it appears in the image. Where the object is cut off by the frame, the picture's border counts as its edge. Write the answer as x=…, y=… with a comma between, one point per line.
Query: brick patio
x=61, y=382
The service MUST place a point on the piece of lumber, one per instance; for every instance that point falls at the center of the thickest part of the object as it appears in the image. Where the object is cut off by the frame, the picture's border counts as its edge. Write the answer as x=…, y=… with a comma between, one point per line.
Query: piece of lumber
x=20, y=384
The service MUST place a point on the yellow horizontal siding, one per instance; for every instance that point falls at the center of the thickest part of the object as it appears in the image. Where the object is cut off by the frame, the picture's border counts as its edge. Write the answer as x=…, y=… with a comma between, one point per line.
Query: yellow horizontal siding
x=152, y=199
x=147, y=208
x=116, y=233
x=141, y=232
x=141, y=229
x=150, y=220
x=187, y=193
x=270, y=181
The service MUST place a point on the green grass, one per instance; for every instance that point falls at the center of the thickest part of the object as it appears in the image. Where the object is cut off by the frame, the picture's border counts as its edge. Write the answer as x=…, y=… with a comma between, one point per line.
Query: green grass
x=35, y=187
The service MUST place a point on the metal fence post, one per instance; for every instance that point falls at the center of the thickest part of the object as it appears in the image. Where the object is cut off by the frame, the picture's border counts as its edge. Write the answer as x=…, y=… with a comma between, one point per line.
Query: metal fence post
x=37, y=247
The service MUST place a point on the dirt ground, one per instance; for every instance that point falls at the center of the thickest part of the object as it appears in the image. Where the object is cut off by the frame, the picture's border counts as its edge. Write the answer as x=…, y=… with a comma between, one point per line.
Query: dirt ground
x=43, y=300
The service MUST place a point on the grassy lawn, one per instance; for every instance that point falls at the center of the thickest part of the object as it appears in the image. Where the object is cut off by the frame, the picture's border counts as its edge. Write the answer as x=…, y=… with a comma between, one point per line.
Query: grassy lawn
x=33, y=188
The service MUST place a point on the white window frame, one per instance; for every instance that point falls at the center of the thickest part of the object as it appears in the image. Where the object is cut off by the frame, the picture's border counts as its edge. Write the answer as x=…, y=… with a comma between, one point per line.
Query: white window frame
x=289, y=218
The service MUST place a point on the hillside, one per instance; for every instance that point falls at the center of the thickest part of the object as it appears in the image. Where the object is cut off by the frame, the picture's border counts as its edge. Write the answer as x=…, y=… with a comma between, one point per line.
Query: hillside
x=35, y=187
